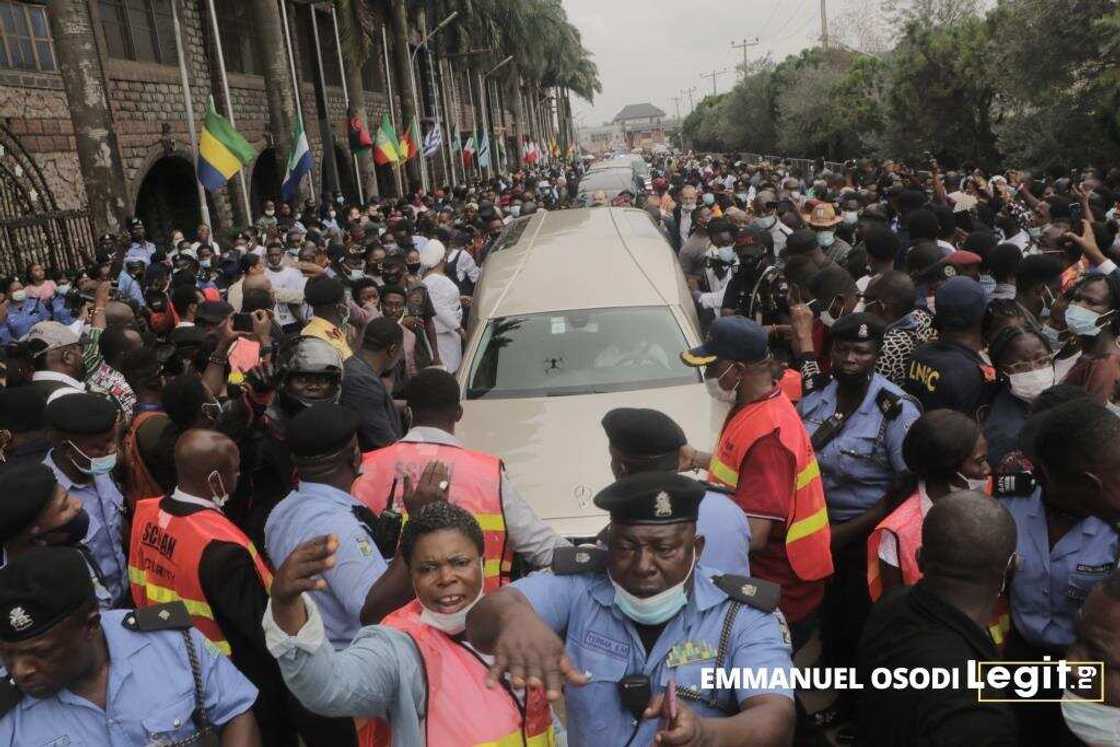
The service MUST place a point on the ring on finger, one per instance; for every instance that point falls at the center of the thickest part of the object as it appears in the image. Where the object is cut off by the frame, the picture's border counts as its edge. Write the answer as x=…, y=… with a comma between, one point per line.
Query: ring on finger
x=444, y=485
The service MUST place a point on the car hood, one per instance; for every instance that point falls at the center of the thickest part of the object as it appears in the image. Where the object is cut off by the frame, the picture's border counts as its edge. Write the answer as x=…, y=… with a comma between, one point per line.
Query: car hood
x=555, y=451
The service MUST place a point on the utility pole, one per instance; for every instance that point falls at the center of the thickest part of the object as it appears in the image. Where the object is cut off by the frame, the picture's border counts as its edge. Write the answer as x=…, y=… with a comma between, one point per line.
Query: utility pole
x=691, y=104
x=744, y=45
x=677, y=102
x=824, y=25
x=714, y=75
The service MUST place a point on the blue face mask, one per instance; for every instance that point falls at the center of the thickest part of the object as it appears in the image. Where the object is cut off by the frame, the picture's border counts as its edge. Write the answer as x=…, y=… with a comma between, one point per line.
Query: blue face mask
x=657, y=609
x=102, y=465
x=709, y=199
x=826, y=238
x=1083, y=322
x=1053, y=336
x=727, y=254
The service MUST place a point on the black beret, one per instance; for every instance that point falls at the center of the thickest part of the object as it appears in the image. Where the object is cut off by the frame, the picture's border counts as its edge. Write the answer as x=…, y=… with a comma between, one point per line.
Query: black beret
x=187, y=337
x=642, y=432
x=82, y=413
x=321, y=430
x=39, y=589
x=860, y=327
x=21, y=410
x=27, y=489
x=652, y=498
x=214, y=312
x=323, y=290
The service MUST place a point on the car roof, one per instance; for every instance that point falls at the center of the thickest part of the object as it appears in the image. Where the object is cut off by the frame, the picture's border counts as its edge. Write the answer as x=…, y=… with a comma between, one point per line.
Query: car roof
x=580, y=259
x=606, y=180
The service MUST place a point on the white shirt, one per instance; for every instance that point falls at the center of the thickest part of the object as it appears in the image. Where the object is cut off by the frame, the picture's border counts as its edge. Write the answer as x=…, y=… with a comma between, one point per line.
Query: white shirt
x=465, y=266
x=291, y=279
x=888, y=544
x=69, y=381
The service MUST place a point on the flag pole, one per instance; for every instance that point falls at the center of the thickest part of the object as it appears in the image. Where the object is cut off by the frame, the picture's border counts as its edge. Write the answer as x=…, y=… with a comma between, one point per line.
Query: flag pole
x=189, y=105
x=449, y=109
x=346, y=96
x=389, y=91
x=439, y=118
x=292, y=67
x=229, y=108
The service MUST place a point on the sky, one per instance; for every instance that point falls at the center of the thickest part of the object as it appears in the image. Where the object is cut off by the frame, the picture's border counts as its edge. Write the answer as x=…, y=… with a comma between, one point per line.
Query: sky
x=651, y=50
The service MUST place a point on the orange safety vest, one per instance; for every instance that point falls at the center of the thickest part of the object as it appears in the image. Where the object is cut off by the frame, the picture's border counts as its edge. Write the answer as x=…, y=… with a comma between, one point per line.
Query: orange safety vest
x=476, y=485
x=139, y=483
x=164, y=556
x=462, y=711
x=808, y=536
x=905, y=523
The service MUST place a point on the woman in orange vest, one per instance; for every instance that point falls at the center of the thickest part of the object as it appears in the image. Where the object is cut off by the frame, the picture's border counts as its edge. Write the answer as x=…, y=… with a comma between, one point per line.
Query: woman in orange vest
x=415, y=671
x=945, y=451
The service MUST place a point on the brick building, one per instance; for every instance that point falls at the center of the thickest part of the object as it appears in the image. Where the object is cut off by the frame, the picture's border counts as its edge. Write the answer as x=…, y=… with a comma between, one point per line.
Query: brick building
x=641, y=125
x=67, y=62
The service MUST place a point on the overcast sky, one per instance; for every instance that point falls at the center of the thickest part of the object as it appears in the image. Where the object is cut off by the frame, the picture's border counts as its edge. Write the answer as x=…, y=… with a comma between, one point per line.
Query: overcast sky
x=649, y=50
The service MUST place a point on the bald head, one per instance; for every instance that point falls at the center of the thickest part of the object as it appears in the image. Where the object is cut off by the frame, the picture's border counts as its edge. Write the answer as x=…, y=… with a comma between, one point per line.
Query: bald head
x=118, y=314
x=200, y=453
x=257, y=282
x=967, y=538
x=896, y=292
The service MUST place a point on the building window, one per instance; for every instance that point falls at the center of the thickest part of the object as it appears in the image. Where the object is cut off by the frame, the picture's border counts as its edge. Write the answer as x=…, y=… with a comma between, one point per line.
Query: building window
x=236, y=27
x=327, y=48
x=139, y=30
x=25, y=39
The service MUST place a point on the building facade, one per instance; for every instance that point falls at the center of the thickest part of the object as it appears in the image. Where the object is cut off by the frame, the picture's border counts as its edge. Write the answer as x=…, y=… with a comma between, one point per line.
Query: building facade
x=641, y=125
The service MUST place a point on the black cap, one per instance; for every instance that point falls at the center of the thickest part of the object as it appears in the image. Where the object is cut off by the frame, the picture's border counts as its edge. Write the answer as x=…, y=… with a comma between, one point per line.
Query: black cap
x=652, y=498
x=861, y=327
x=321, y=430
x=642, y=432
x=730, y=338
x=39, y=589
x=214, y=312
x=323, y=290
x=27, y=490
x=82, y=413
x=21, y=410
x=960, y=303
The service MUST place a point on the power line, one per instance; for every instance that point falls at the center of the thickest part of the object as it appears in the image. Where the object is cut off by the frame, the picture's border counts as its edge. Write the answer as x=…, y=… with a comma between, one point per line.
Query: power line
x=769, y=20
x=798, y=11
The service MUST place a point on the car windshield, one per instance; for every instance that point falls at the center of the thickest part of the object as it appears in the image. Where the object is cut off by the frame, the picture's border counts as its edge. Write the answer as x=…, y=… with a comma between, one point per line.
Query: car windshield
x=615, y=179
x=588, y=351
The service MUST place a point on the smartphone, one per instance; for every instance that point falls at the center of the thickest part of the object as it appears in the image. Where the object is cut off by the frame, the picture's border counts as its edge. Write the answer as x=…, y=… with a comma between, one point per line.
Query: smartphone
x=1075, y=215
x=242, y=322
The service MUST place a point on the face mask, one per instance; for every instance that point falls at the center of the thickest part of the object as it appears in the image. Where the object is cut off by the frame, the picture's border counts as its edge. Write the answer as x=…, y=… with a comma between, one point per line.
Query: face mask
x=102, y=465
x=220, y=495
x=355, y=275
x=19, y=296
x=1092, y=723
x=73, y=531
x=718, y=393
x=851, y=217
x=204, y=264
x=1083, y=322
x=826, y=238
x=978, y=484
x=742, y=196
x=709, y=199
x=413, y=267
x=767, y=221
x=1053, y=336
x=688, y=207
x=63, y=290
x=1113, y=408
x=1029, y=384
x=1035, y=232
x=727, y=254
x=515, y=210
x=452, y=623
x=270, y=213
x=656, y=609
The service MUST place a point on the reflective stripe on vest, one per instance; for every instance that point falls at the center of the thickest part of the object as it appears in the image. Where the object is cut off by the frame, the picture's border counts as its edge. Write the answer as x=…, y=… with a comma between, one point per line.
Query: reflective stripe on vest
x=165, y=552
x=461, y=709
x=808, y=536
x=475, y=485
x=905, y=523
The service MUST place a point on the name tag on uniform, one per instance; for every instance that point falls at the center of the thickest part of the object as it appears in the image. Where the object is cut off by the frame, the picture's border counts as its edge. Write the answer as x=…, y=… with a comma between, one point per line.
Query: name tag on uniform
x=688, y=652
x=1103, y=568
x=606, y=645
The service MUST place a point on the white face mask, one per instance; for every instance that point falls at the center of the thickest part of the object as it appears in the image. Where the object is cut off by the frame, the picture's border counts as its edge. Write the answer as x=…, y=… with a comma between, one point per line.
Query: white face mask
x=19, y=296
x=220, y=495
x=851, y=217
x=718, y=393
x=452, y=623
x=1029, y=384
x=767, y=221
x=659, y=608
x=978, y=484
x=1092, y=723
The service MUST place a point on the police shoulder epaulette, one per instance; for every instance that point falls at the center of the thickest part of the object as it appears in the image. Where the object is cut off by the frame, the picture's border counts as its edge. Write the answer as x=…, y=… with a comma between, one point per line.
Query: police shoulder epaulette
x=1016, y=484
x=889, y=403
x=170, y=616
x=753, y=592
x=816, y=382
x=10, y=695
x=567, y=561
x=713, y=488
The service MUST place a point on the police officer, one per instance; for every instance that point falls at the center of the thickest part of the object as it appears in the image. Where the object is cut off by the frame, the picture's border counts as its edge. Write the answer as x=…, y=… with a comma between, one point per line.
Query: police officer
x=138, y=245
x=857, y=421
x=22, y=433
x=643, y=440
x=640, y=617
x=118, y=677
x=324, y=445
x=82, y=431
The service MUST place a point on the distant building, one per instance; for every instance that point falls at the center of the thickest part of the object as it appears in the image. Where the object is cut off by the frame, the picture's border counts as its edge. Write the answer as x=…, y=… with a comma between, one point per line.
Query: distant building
x=641, y=125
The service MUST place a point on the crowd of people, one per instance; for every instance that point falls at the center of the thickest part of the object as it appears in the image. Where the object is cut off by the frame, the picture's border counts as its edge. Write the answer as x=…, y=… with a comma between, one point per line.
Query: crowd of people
x=235, y=508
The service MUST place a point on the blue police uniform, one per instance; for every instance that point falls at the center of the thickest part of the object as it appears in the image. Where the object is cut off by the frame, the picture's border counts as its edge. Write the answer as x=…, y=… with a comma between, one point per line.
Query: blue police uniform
x=104, y=503
x=59, y=312
x=129, y=288
x=602, y=642
x=140, y=250
x=149, y=698
x=726, y=533
x=314, y=509
x=1051, y=584
x=22, y=317
x=859, y=464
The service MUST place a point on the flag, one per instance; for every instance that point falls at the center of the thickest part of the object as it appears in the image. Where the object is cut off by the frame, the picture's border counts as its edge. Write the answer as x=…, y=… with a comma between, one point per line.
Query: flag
x=534, y=152
x=456, y=142
x=484, y=151
x=299, y=163
x=555, y=148
x=500, y=146
x=410, y=140
x=468, y=151
x=525, y=151
x=360, y=139
x=385, y=150
x=221, y=150
x=432, y=142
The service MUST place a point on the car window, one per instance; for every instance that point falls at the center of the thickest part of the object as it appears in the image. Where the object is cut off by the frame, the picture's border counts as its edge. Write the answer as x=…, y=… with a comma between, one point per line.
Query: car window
x=586, y=351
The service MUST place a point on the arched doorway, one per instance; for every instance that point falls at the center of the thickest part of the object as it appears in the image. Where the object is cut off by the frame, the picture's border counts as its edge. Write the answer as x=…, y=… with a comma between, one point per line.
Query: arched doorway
x=168, y=199
x=265, y=184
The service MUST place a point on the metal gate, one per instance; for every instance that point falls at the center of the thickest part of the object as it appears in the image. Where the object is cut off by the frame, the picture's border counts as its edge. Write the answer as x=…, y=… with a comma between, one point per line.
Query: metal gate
x=32, y=228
